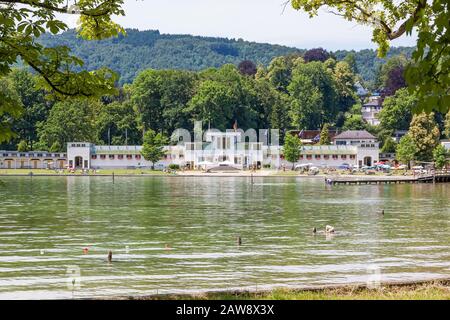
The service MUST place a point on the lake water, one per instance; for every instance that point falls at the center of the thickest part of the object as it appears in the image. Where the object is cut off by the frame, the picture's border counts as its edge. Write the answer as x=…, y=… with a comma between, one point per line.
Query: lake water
x=178, y=234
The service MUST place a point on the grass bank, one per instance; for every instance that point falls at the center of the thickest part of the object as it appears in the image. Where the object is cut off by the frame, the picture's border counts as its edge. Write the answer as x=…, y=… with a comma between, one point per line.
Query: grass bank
x=428, y=290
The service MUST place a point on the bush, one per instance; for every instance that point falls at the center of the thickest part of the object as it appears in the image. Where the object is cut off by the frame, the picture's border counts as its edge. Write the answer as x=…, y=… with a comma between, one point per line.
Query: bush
x=174, y=167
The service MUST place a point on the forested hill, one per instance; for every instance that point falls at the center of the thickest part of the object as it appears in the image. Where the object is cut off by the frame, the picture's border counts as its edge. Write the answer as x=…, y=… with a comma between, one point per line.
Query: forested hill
x=139, y=50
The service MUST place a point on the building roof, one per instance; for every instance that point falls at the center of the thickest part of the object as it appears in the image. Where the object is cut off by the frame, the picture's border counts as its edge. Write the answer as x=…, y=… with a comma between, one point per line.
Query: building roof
x=355, y=134
x=312, y=134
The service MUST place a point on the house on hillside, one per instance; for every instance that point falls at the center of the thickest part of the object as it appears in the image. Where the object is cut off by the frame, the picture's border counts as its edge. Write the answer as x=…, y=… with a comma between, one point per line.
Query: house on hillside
x=371, y=109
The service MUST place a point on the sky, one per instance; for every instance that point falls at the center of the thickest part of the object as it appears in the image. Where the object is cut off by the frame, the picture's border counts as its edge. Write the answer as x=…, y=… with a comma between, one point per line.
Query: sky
x=252, y=20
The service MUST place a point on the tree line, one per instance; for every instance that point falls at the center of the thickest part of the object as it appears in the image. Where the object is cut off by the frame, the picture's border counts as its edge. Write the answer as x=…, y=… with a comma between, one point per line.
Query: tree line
x=294, y=92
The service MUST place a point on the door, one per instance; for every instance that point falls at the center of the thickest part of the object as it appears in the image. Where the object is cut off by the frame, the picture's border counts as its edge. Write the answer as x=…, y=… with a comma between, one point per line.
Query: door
x=78, y=162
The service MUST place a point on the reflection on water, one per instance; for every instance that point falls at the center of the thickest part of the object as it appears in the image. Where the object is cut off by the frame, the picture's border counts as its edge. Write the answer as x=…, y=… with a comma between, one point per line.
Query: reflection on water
x=179, y=234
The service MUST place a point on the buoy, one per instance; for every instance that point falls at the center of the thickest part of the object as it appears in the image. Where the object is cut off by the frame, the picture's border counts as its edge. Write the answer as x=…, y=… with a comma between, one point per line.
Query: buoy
x=110, y=256
x=85, y=250
x=239, y=241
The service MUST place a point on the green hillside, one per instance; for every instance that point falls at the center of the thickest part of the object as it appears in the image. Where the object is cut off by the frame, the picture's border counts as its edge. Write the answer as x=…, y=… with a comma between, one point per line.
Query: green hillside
x=139, y=50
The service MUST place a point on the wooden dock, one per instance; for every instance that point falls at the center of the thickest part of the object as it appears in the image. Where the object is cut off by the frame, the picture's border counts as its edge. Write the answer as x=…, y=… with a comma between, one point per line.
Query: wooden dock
x=437, y=178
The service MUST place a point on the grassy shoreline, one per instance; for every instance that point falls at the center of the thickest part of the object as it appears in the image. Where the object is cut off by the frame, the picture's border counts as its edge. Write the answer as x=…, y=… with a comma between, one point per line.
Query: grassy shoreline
x=438, y=289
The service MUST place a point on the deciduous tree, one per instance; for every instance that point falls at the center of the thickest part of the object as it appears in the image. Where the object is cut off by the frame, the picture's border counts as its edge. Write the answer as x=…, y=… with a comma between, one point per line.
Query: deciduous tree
x=314, y=96
x=316, y=54
x=11, y=108
x=23, y=21
x=425, y=134
x=291, y=148
x=397, y=111
x=428, y=76
x=406, y=150
x=153, y=146
x=440, y=156
x=69, y=121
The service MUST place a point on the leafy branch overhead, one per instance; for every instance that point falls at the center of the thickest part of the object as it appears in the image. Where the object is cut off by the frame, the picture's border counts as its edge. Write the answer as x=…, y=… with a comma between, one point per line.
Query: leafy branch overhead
x=23, y=21
x=429, y=75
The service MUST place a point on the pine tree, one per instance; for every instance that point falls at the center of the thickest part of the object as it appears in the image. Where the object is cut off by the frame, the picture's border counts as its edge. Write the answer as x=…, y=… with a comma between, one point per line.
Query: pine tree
x=325, y=135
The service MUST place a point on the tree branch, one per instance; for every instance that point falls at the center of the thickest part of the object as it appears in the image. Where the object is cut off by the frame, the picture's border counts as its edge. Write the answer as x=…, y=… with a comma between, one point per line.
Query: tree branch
x=45, y=5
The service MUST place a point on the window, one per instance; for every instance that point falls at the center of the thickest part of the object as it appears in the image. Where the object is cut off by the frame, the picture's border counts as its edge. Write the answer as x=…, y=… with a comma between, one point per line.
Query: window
x=120, y=156
x=94, y=156
x=318, y=156
x=326, y=156
x=301, y=157
x=129, y=156
x=343, y=157
x=5, y=154
x=138, y=156
x=335, y=156
x=309, y=157
x=111, y=157
x=102, y=156
x=352, y=156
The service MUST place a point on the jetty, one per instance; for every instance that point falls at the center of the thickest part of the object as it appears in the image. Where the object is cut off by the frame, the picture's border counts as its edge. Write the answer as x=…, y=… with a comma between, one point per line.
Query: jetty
x=431, y=178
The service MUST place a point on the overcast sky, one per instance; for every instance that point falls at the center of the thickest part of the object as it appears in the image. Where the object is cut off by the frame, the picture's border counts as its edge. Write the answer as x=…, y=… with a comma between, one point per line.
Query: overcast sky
x=252, y=20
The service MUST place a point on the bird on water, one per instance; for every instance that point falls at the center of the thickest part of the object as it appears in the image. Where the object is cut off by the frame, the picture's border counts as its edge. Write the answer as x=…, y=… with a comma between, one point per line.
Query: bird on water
x=110, y=256
x=239, y=241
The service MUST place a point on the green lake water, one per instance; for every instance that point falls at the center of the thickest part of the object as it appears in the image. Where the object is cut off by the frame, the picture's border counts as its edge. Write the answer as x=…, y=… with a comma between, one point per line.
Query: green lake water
x=178, y=234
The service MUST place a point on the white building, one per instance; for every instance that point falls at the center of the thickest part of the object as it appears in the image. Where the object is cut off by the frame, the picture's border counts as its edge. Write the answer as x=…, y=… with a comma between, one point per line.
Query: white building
x=85, y=155
x=446, y=144
x=224, y=148
x=220, y=148
x=32, y=160
x=353, y=148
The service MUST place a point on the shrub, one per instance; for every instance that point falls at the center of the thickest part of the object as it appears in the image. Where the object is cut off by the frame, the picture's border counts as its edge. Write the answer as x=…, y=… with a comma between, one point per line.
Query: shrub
x=174, y=167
